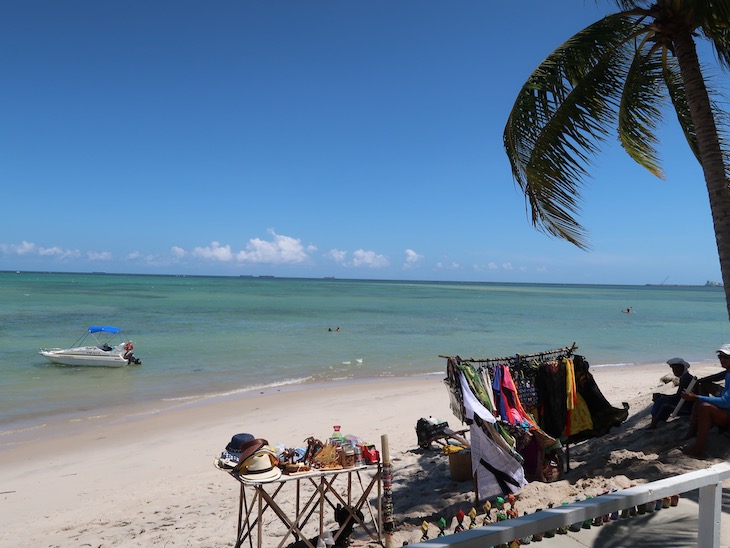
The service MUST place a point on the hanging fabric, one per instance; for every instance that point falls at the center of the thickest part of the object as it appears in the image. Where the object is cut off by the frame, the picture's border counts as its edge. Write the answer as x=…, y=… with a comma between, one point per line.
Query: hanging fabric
x=496, y=472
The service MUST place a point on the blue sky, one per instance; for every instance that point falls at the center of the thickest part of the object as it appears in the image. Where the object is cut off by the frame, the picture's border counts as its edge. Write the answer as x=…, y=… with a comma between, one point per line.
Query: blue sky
x=323, y=138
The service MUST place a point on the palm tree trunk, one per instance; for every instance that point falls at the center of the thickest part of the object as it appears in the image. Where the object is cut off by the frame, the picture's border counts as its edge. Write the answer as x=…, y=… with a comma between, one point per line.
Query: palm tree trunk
x=708, y=144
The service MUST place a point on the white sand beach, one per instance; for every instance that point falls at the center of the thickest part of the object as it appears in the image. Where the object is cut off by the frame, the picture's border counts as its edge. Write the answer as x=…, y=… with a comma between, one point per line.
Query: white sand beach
x=144, y=477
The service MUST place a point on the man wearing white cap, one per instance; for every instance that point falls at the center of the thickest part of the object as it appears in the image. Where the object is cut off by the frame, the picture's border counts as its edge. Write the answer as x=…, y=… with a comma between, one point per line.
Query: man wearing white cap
x=709, y=411
x=664, y=404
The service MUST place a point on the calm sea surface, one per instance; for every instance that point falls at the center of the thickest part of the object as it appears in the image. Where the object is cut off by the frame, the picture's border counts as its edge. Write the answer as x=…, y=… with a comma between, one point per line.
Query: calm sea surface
x=215, y=335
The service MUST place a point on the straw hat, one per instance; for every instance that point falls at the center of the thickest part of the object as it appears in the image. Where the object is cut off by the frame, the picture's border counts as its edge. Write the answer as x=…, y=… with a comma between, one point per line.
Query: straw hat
x=259, y=468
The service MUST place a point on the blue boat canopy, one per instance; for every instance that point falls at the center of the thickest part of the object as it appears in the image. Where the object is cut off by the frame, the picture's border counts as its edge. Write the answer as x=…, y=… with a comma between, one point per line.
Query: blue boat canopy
x=103, y=329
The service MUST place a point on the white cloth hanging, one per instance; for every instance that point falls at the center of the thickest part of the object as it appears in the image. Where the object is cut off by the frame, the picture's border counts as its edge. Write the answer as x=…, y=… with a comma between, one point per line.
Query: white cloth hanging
x=497, y=472
x=472, y=405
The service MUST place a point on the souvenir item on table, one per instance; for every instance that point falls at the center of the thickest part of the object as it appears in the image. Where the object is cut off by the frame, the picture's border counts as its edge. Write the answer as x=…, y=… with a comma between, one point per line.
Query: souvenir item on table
x=327, y=458
x=370, y=455
x=259, y=468
x=336, y=438
x=442, y=527
x=231, y=455
x=294, y=468
x=248, y=449
x=347, y=455
x=313, y=446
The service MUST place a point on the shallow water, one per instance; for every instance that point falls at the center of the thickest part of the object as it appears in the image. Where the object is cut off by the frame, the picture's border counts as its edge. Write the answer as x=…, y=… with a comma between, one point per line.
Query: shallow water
x=211, y=335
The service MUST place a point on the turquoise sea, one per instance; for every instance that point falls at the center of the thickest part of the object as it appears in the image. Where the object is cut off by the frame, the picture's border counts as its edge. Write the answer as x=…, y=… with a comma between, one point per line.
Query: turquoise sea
x=221, y=335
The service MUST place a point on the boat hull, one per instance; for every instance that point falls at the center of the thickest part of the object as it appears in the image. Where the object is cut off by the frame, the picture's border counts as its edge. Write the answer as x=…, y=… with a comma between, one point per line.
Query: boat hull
x=89, y=356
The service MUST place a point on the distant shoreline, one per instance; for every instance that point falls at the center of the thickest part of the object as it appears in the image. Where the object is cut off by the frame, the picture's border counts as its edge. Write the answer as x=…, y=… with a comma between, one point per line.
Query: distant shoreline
x=269, y=277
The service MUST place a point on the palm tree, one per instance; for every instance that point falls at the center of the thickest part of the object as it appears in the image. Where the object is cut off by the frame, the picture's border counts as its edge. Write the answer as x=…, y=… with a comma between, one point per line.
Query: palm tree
x=621, y=72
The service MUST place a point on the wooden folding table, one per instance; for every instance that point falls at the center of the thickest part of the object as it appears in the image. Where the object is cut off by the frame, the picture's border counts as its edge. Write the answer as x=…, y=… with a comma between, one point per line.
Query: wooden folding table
x=311, y=492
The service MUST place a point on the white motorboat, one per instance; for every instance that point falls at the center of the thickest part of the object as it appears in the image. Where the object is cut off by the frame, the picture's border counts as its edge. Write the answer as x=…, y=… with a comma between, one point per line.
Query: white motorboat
x=111, y=349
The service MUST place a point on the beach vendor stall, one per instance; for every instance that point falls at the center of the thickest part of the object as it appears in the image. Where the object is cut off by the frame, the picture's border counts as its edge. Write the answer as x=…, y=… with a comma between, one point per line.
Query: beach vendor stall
x=524, y=411
x=339, y=475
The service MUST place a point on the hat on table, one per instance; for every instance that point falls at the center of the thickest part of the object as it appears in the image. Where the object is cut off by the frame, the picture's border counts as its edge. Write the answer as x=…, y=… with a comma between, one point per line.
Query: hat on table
x=724, y=349
x=259, y=467
x=679, y=361
x=240, y=448
x=231, y=455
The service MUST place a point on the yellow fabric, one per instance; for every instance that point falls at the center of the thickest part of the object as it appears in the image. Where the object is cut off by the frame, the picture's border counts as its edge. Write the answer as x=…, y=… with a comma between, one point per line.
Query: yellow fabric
x=580, y=417
x=570, y=383
x=448, y=449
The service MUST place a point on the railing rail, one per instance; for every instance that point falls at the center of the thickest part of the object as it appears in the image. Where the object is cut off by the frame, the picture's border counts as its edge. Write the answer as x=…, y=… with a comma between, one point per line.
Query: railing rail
x=708, y=481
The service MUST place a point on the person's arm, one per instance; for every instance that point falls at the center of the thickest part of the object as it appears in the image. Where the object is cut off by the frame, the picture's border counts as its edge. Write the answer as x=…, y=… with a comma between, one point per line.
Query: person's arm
x=722, y=401
x=713, y=378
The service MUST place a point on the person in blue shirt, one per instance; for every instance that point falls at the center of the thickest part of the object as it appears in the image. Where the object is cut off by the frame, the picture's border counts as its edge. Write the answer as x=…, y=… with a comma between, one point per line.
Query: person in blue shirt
x=709, y=411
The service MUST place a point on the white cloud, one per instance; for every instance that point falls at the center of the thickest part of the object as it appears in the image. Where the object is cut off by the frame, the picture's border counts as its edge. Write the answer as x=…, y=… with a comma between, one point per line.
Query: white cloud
x=507, y=266
x=216, y=252
x=492, y=266
x=369, y=259
x=337, y=256
x=99, y=255
x=448, y=266
x=412, y=258
x=281, y=250
x=24, y=248
x=178, y=251
x=29, y=248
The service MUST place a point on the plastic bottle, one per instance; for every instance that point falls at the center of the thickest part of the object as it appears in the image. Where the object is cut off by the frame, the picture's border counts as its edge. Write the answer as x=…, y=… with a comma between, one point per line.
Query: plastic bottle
x=337, y=438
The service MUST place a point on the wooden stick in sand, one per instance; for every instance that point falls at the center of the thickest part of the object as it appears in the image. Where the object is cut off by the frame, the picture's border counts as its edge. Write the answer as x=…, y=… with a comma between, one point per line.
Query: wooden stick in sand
x=388, y=523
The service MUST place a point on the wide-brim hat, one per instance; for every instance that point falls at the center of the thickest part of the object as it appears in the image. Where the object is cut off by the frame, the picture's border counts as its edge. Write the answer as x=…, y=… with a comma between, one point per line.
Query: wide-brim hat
x=678, y=361
x=248, y=449
x=259, y=467
x=231, y=455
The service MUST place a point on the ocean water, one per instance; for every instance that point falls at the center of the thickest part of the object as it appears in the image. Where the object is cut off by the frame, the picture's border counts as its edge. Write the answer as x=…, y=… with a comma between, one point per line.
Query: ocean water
x=221, y=335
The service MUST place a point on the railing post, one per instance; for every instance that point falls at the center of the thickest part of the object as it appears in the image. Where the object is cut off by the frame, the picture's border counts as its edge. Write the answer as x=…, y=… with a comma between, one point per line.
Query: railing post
x=708, y=530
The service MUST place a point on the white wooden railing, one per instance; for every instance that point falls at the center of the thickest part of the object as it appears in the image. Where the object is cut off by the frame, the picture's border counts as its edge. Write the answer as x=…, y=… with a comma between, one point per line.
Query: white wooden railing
x=708, y=481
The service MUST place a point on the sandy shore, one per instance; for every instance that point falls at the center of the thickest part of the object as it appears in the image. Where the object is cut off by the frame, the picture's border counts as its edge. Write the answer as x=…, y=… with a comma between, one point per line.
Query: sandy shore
x=143, y=477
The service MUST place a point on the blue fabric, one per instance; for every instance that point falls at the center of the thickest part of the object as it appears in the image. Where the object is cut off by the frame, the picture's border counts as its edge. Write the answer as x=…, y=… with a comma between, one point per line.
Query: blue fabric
x=497, y=388
x=103, y=329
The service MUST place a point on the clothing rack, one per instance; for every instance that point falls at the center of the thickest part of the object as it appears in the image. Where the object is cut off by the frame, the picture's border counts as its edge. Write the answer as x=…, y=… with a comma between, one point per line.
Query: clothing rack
x=567, y=351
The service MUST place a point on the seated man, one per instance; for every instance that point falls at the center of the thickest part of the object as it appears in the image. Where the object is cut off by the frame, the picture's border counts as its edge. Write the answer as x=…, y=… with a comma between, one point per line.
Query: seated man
x=709, y=411
x=664, y=404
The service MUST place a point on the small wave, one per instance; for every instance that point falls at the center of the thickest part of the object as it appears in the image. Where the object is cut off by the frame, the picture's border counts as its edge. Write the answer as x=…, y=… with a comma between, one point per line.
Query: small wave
x=21, y=430
x=242, y=390
x=620, y=364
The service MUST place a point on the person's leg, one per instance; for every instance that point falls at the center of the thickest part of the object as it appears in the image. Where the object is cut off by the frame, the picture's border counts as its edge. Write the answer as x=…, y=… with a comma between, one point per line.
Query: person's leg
x=660, y=411
x=707, y=416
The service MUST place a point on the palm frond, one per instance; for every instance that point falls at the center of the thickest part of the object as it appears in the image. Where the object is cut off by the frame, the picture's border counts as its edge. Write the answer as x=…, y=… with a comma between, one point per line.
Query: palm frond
x=712, y=19
x=675, y=88
x=562, y=113
x=640, y=110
